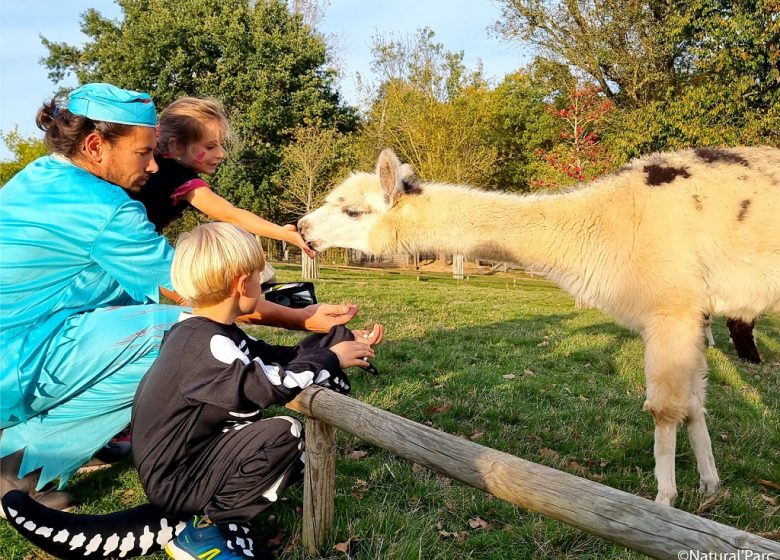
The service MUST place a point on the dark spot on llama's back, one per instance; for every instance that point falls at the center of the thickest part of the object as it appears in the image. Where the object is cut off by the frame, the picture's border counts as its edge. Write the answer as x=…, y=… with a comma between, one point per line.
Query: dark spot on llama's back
x=660, y=174
x=697, y=202
x=743, y=208
x=719, y=155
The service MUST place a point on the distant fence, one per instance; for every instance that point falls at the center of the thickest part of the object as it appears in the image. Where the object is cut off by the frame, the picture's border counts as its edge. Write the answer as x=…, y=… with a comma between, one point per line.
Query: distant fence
x=283, y=252
x=632, y=521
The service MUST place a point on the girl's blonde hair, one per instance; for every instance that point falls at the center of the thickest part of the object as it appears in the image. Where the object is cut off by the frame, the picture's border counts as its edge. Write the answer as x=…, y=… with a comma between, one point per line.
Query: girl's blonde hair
x=210, y=258
x=185, y=120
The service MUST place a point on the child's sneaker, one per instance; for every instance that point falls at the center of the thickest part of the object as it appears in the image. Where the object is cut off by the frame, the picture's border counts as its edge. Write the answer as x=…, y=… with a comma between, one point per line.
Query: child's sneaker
x=203, y=540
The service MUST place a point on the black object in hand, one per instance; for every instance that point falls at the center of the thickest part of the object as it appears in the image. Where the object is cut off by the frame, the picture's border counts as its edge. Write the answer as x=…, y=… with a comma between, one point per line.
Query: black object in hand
x=290, y=294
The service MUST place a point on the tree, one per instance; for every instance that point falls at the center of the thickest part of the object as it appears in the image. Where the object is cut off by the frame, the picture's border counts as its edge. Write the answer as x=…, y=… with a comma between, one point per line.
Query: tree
x=734, y=43
x=310, y=165
x=579, y=155
x=680, y=73
x=267, y=66
x=24, y=150
x=521, y=125
x=430, y=109
x=620, y=44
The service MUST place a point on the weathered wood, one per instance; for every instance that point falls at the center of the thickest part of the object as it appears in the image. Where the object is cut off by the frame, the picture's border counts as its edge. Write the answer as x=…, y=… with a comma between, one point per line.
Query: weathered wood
x=309, y=267
x=632, y=521
x=319, y=484
x=457, y=266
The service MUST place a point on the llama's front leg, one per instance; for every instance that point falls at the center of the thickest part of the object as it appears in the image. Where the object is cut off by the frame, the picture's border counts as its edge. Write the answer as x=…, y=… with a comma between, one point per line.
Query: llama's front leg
x=700, y=437
x=673, y=346
x=664, y=449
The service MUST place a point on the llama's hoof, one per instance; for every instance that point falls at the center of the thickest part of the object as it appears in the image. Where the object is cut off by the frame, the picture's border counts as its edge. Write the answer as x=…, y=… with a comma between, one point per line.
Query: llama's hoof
x=666, y=497
x=709, y=486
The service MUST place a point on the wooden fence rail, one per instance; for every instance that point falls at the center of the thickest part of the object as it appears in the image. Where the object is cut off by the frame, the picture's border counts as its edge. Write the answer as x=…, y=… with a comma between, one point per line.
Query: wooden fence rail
x=632, y=521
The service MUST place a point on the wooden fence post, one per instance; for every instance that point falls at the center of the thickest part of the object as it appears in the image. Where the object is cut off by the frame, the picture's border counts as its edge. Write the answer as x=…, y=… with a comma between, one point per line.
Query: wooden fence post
x=319, y=484
x=457, y=266
x=309, y=268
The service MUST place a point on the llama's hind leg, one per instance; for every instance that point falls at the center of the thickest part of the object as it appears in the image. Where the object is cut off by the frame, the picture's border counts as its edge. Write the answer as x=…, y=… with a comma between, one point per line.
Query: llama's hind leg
x=698, y=434
x=673, y=346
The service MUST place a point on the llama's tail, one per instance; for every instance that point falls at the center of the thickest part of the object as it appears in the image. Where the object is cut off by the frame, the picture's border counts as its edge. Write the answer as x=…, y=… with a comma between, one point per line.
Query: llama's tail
x=125, y=534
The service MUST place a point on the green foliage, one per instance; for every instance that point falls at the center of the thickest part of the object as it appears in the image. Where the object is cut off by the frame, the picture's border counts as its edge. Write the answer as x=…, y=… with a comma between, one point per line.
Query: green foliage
x=422, y=64
x=519, y=126
x=734, y=43
x=311, y=166
x=24, y=151
x=431, y=110
x=620, y=45
x=681, y=74
x=263, y=62
x=707, y=114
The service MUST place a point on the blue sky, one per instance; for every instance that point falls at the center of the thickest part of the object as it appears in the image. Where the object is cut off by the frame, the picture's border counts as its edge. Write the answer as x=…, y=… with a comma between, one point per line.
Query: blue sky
x=458, y=24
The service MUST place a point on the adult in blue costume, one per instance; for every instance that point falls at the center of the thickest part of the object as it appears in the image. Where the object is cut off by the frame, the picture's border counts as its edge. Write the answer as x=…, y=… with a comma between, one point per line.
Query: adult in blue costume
x=80, y=276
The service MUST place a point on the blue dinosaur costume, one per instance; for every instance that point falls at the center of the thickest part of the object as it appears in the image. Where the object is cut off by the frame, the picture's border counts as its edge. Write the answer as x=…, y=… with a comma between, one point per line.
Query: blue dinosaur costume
x=80, y=271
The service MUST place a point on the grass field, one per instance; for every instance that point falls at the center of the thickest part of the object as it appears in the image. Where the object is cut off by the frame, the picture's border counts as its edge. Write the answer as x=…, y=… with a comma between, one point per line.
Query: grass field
x=511, y=364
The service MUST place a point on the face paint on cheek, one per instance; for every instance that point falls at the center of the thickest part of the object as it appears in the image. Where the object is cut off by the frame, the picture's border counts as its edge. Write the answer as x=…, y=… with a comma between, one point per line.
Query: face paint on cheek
x=200, y=157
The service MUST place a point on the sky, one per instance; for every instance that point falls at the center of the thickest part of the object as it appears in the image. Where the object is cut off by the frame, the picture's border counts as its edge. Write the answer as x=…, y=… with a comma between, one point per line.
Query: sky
x=460, y=25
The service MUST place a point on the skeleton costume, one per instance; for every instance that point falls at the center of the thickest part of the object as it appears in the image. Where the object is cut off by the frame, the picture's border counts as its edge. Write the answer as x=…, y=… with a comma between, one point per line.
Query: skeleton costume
x=199, y=438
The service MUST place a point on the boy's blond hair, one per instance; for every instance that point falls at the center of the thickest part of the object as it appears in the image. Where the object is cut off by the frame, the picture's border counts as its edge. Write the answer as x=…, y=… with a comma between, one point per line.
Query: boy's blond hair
x=210, y=258
x=186, y=119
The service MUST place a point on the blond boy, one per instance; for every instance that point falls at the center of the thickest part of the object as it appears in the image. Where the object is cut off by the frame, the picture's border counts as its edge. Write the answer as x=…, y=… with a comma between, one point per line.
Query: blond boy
x=200, y=442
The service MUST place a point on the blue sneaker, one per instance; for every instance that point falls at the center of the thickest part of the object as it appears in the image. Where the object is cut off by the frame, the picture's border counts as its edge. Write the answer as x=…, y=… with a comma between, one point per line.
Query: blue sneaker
x=203, y=540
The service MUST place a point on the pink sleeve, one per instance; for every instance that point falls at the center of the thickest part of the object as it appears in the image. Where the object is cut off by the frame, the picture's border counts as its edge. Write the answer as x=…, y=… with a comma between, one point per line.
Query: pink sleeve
x=190, y=185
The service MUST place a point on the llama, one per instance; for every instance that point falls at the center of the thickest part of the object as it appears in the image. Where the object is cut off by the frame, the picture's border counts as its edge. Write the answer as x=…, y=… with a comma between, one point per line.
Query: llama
x=661, y=242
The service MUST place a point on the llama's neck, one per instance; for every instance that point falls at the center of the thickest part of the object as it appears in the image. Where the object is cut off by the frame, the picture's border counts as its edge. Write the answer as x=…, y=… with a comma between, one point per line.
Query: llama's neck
x=553, y=235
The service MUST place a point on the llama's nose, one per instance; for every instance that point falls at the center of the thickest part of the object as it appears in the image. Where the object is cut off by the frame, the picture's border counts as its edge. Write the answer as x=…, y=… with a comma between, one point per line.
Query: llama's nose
x=302, y=227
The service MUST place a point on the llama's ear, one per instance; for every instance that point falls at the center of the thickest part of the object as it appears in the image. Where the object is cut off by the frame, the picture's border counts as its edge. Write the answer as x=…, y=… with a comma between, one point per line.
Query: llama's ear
x=395, y=178
x=387, y=168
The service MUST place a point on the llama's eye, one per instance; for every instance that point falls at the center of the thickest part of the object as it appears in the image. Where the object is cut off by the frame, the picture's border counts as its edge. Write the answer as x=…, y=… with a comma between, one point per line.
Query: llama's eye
x=352, y=213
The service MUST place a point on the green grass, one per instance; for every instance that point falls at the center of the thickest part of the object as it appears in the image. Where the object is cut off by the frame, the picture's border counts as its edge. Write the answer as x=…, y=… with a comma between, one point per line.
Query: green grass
x=574, y=403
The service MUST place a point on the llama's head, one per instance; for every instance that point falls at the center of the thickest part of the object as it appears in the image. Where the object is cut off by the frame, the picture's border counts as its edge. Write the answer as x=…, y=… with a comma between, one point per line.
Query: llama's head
x=353, y=208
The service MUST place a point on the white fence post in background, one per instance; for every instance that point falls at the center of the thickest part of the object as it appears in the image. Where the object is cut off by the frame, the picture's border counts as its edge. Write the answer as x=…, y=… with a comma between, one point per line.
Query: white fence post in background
x=309, y=269
x=457, y=267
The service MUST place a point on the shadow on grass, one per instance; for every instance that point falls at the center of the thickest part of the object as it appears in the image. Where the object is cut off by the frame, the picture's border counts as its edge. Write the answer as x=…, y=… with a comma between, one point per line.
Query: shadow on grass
x=567, y=390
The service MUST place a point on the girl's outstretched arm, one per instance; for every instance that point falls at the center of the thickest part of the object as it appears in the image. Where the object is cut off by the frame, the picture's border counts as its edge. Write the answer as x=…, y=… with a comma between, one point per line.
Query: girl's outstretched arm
x=214, y=206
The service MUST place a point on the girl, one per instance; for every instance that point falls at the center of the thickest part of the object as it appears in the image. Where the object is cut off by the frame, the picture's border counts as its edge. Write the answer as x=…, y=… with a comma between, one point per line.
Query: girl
x=191, y=134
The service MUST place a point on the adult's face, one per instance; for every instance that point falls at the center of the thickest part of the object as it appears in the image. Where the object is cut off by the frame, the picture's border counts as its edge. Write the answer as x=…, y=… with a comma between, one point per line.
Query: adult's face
x=129, y=160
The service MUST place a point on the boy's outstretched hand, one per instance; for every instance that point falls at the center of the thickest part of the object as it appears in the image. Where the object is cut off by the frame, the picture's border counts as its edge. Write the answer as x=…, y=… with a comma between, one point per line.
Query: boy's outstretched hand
x=352, y=353
x=361, y=351
x=371, y=337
